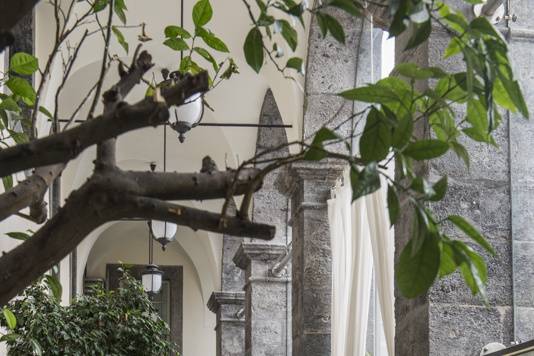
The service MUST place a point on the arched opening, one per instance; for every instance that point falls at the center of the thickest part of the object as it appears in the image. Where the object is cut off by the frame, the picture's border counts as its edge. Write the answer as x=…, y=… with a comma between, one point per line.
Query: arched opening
x=126, y=242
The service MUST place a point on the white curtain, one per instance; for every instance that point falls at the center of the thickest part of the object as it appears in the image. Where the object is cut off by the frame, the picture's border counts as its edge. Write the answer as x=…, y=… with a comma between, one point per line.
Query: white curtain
x=361, y=239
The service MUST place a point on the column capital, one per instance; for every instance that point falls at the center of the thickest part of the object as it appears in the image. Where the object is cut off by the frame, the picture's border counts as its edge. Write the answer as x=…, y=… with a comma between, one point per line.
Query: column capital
x=250, y=251
x=323, y=172
x=224, y=298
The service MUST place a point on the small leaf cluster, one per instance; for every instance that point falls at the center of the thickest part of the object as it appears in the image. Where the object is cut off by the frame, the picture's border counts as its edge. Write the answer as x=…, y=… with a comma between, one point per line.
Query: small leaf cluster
x=199, y=44
x=120, y=322
x=273, y=19
x=14, y=119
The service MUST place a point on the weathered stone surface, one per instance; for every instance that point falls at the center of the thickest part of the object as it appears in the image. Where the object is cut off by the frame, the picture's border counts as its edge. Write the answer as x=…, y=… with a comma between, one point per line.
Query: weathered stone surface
x=312, y=265
x=453, y=288
x=524, y=274
x=450, y=320
x=230, y=328
x=523, y=318
x=266, y=331
x=462, y=330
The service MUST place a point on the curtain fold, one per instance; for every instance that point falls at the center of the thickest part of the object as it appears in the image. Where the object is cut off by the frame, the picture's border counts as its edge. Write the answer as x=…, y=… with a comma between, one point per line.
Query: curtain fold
x=360, y=240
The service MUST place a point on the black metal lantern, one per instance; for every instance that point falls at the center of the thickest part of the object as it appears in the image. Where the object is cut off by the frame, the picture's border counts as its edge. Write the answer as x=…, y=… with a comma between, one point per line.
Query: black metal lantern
x=152, y=279
x=152, y=276
x=162, y=231
x=188, y=115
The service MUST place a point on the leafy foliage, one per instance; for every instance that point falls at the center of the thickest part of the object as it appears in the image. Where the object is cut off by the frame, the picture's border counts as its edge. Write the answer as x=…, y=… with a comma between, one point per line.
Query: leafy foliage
x=120, y=322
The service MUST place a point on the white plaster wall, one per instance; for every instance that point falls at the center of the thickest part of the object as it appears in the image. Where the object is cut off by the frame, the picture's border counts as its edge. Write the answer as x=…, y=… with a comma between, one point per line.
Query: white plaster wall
x=127, y=242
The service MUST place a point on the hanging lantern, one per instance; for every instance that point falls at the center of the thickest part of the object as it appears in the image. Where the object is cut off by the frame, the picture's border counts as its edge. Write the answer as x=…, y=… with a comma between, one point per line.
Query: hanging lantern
x=152, y=279
x=188, y=115
x=163, y=232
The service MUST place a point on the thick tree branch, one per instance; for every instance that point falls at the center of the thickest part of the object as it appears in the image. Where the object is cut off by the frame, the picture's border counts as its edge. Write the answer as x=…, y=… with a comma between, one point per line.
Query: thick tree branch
x=100, y=200
x=29, y=192
x=191, y=186
x=141, y=63
x=62, y=147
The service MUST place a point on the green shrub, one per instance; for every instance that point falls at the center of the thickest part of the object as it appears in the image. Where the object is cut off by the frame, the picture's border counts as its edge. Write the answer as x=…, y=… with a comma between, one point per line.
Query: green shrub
x=119, y=322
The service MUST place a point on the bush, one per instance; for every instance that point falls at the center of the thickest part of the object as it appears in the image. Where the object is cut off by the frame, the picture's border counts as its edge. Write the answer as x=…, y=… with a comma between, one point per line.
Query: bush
x=119, y=322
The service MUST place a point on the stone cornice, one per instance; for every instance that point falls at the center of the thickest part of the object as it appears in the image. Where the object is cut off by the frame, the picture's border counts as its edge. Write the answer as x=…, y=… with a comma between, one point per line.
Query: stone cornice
x=249, y=251
x=220, y=298
x=327, y=171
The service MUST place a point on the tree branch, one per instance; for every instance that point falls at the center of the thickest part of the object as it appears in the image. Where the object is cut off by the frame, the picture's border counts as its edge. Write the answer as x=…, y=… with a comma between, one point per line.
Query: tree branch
x=102, y=199
x=29, y=192
x=64, y=146
x=191, y=186
x=140, y=65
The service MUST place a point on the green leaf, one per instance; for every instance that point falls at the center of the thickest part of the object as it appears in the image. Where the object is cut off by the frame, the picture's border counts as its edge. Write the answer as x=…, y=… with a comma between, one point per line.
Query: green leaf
x=376, y=138
x=207, y=56
x=472, y=267
x=295, y=63
x=426, y=149
x=45, y=111
x=413, y=71
x=202, y=13
x=119, y=9
x=439, y=188
x=455, y=46
x=23, y=63
x=22, y=88
x=321, y=21
x=10, y=105
x=471, y=232
x=176, y=43
x=393, y=205
x=18, y=235
x=36, y=347
x=100, y=5
x=316, y=151
x=289, y=34
x=11, y=337
x=349, y=6
x=365, y=182
x=213, y=41
x=253, y=49
x=447, y=262
x=420, y=34
x=417, y=272
x=176, y=31
x=334, y=27
x=10, y=318
x=54, y=285
x=120, y=38
x=403, y=132
x=7, y=181
x=461, y=152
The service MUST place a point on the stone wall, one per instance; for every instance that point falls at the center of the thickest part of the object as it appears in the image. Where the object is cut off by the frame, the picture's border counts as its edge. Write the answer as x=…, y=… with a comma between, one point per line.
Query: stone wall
x=495, y=195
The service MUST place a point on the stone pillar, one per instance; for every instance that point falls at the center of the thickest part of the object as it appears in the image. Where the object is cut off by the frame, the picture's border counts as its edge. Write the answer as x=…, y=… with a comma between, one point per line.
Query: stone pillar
x=521, y=42
x=309, y=190
x=265, y=300
x=450, y=320
x=230, y=327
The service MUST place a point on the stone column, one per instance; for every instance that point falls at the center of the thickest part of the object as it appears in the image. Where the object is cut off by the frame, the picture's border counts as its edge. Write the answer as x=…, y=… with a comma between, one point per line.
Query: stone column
x=230, y=327
x=521, y=44
x=309, y=189
x=265, y=301
x=450, y=320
